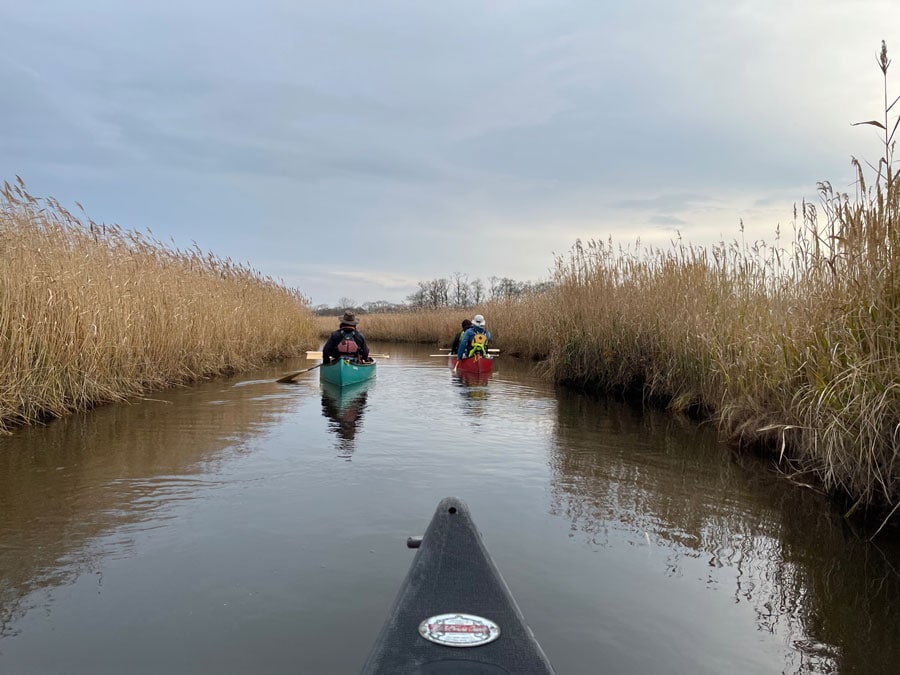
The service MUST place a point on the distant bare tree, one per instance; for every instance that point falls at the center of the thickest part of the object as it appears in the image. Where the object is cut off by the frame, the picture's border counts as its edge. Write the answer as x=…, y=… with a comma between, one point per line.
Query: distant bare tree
x=438, y=293
x=377, y=306
x=457, y=292
x=418, y=300
x=477, y=291
x=507, y=289
x=460, y=289
x=492, y=287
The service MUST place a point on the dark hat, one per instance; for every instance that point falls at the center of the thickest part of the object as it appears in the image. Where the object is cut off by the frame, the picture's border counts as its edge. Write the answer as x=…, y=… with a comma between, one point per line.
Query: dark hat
x=466, y=323
x=348, y=319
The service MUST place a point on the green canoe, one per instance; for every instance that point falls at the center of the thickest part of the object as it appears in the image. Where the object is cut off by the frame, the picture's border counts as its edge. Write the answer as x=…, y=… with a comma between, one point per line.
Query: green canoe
x=347, y=371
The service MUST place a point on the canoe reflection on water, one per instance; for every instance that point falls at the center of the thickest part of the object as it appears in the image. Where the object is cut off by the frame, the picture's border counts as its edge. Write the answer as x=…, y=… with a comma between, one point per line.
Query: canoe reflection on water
x=344, y=407
x=472, y=379
x=474, y=390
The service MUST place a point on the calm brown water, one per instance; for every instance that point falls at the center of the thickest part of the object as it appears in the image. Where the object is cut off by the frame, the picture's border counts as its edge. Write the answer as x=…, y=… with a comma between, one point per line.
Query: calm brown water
x=245, y=526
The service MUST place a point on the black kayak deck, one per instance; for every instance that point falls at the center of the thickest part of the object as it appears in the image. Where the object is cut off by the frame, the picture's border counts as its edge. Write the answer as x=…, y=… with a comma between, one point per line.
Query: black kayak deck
x=453, y=574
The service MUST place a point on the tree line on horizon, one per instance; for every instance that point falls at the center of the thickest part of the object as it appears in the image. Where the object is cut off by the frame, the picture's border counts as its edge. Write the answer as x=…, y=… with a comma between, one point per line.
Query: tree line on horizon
x=454, y=292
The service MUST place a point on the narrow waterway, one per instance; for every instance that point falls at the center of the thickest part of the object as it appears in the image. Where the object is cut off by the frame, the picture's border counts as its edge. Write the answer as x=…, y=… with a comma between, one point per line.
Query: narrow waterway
x=244, y=526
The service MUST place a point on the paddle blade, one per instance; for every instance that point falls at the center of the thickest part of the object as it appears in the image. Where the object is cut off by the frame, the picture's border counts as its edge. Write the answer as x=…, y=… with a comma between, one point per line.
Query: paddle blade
x=318, y=355
x=447, y=349
x=289, y=378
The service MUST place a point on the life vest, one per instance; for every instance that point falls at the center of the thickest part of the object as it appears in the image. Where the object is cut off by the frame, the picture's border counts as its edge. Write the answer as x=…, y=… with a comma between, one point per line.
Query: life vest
x=478, y=345
x=347, y=346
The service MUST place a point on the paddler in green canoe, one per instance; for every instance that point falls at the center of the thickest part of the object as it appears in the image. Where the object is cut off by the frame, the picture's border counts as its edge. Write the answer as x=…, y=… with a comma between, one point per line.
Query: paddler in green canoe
x=346, y=342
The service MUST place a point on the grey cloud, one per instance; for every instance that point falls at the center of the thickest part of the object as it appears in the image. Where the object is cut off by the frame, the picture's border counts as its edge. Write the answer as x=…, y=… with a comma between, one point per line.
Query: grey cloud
x=406, y=125
x=671, y=202
x=195, y=126
x=666, y=220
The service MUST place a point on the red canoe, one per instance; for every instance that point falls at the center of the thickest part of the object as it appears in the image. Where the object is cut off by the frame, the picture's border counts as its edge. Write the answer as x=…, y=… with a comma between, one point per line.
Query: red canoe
x=475, y=364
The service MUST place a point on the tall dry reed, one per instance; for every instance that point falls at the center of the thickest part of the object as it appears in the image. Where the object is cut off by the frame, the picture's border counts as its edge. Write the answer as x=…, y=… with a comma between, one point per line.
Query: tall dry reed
x=791, y=347
x=93, y=313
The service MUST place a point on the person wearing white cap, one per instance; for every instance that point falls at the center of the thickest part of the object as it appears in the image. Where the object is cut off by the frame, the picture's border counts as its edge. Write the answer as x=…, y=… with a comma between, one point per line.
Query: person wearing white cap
x=475, y=340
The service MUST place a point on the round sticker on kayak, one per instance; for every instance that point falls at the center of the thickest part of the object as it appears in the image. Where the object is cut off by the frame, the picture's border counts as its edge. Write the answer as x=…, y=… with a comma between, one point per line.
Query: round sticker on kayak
x=459, y=630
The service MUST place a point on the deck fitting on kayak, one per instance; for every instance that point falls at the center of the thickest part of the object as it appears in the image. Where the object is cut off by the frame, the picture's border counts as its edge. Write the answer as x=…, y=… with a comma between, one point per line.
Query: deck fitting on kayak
x=453, y=596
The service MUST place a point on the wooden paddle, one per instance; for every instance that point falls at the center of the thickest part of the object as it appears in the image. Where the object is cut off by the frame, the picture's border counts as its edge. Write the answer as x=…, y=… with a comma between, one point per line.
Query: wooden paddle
x=290, y=376
x=447, y=349
x=495, y=352
x=318, y=355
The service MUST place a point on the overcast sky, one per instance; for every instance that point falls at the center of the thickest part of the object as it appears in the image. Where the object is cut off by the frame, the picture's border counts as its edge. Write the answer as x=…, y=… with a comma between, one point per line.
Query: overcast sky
x=352, y=149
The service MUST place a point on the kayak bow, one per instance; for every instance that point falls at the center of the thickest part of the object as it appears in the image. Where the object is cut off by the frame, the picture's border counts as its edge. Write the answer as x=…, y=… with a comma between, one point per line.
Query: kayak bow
x=454, y=612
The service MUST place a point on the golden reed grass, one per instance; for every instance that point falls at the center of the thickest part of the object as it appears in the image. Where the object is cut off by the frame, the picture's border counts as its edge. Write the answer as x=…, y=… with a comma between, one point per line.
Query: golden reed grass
x=791, y=349
x=91, y=313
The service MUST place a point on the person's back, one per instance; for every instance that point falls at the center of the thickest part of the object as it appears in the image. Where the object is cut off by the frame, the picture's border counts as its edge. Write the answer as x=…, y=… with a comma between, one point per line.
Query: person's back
x=346, y=342
x=475, y=340
x=454, y=348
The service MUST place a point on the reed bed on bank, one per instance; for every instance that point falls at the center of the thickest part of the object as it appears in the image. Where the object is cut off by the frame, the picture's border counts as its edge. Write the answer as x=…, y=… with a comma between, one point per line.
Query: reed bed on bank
x=792, y=348
x=93, y=313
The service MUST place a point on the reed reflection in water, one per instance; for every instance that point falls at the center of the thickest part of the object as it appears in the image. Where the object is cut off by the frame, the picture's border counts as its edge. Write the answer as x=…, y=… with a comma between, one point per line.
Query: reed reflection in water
x=119, y=468
x=732, y=525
